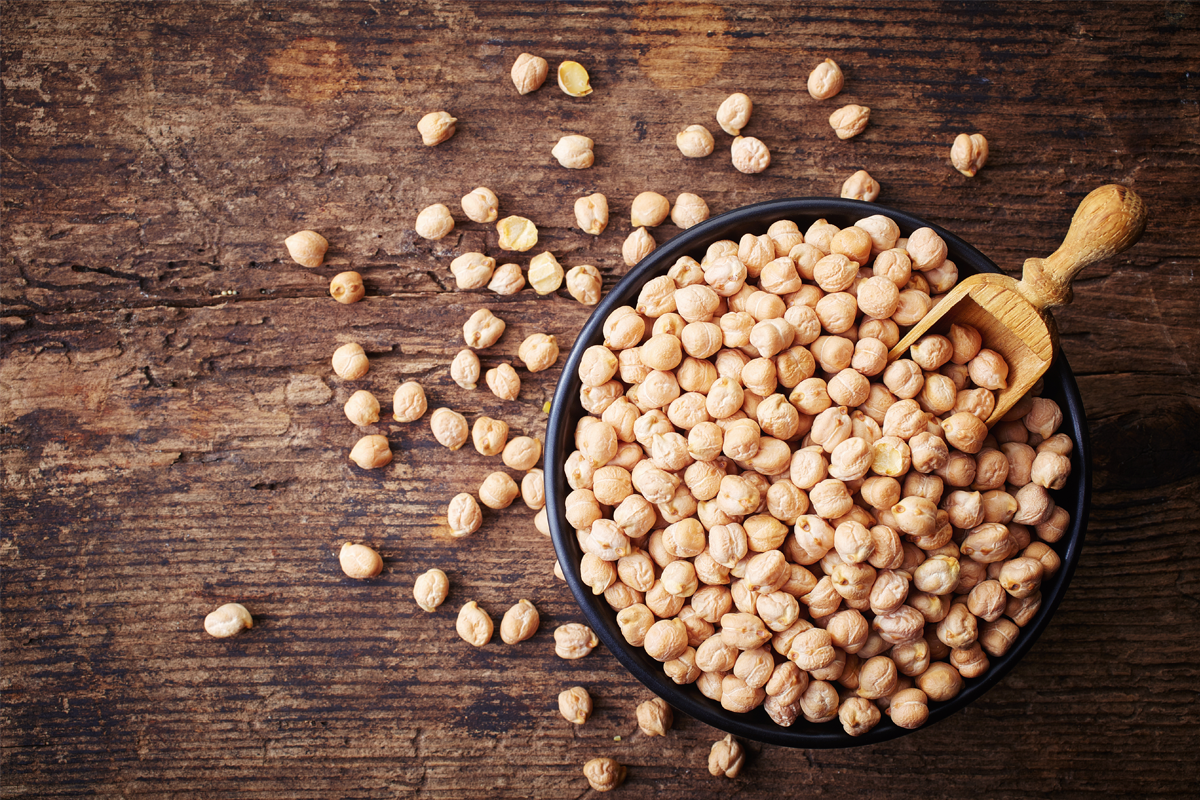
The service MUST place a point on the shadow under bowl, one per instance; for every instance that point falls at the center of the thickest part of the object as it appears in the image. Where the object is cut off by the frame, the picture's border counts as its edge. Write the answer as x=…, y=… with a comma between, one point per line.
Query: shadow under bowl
x=566, y=411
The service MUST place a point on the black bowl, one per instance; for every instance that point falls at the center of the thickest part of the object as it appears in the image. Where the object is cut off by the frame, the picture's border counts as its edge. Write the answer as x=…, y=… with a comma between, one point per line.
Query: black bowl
x=566, y=411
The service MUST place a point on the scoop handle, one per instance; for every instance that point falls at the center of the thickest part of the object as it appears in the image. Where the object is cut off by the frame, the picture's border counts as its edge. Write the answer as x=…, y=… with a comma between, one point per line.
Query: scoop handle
x=1109, y=221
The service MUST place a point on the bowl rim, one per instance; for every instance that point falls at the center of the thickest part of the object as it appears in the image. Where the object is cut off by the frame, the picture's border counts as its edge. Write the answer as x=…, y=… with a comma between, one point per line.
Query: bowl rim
x=565, y=409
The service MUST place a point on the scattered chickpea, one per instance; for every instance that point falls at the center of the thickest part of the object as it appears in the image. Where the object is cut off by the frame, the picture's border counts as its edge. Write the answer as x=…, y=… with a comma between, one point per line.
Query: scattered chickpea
x=649, y=209
x=750, y=155
x=734, y=113
x=347, y=287
x=229, y=620
x=522, y=453
x=430, y=589
x=575, y=704
x=498, y=490
x=574, y=640
x=539, y=352
x=969, y=153
x=362, y=408
x=503, y=381
x=434, y=222
x=521, y=622
x=436, y=127
x=849, y=121
x=507, y=280
x=545, y=273
x=529, y=73
x=472, y=270
x=307, y=248
x=726, y=758
x=409, y=403
x=489, y=436
x=585, y=284
x=604, y=774
x=483, y=329
x=826, y=80
x=350, y=361
x=449, y=428
x=371, y=452
x=517, y=233
x=695, y=141
x=463, y=515
x=465, y=368
x=654, y=717
x=861, y=186
x=591, y=213
x=637, y=246
x=573, y=79
x=574, y=152
x=359, y=561
x=474, y=625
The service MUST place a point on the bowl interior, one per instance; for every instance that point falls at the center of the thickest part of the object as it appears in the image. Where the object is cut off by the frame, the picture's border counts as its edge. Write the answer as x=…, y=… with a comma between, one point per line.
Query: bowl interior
x=566, y=410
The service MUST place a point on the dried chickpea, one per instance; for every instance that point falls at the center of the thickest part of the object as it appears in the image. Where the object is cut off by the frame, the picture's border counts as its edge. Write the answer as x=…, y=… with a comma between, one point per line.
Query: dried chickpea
x=539, y=352
x=520, y=622
x=522, y=453
x=667, y=639
x=436, y=127
x=228, y=620
x=574, y=640
x=463, y=515
x=307, y=248
x=649, y=209
x=575, y=704
x=969, y=153
x=545, y=273
x=408, y=402
x=573, y=79
x=585, y=284
x=474, y=625
x=507, y=280
x=591, y=213
x=750, y=155
x=517, y=233
x=449, y=428
x=849, y=121
x=861, y=186
x=434, y=222
x=726, y=758
x=909, y=708
x=359, y=561
x=529, y=73
x=489, y=436
x=689, y=209
x=654, y=717
x=637, y=246
x=347, y=287
x=350, y=361
x=503, y=381
x=826, y=80
x=483, y=329
x=604, y=774
x=362, y=408
x=473, y=271
x=734, y=113
x=430, y=589
x=574, y=152
x=371, y=452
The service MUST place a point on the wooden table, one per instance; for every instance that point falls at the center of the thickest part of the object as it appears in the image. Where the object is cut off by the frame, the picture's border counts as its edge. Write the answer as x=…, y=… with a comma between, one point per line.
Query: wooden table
x=173, y=437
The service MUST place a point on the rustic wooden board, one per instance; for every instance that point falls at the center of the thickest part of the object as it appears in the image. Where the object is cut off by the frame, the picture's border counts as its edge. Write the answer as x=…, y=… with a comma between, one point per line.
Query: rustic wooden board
x=172, y=435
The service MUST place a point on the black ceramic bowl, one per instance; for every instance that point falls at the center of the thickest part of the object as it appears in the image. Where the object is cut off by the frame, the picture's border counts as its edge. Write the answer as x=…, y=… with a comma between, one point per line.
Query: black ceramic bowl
x=566, y=411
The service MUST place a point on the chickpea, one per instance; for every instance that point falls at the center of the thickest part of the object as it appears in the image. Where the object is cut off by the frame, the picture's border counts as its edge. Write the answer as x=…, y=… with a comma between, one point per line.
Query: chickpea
x=481, y=204
x=996, y=637
x=436, y=127
x=463, y=515
x=971, y=662
x=584, y=283
x=503, y=381
x=575, y=704
x=591, y=213
x=489, y=436
x=850, y=460
x=654, y=717
x=965, y=431
x=750, y=155
x=347, y=287
x=371, y=452
x=434, y=222
x=1022, y=610
x=474, y=625
x=726, y=758
x=988, y=370
x=483, y=329
x=666, y=640
x=637, y=246
x=431, y=589
x=545, y=273
x=826, y=80
x=1034, y=505
x=969, y=153
x=506, y=280
x=359, y=561
x=1050, y=470
x=574, y=152
x=634, y=621
x=229, y=619
x=694, y=141
x=649, y=209
x=849, y=120
x=819, y=702
x=574, y=640
x=307, y=248
x=350, y=361
x=909, y=708
x=1054, y=528
x=744, y=630
x=498, y=490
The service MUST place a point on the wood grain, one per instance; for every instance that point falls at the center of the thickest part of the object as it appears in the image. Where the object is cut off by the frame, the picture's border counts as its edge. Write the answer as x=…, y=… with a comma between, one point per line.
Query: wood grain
x=172, y=435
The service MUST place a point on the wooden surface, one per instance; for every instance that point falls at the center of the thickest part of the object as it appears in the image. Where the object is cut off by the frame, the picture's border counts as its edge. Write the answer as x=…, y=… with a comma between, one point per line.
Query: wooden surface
x=173, y=439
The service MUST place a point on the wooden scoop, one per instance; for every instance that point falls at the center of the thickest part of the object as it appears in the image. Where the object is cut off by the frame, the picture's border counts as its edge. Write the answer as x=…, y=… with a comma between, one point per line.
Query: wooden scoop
x=1012, y=316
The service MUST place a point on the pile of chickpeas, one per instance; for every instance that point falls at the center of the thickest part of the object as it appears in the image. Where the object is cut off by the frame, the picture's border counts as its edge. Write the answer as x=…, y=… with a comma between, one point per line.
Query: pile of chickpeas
x=778, y=514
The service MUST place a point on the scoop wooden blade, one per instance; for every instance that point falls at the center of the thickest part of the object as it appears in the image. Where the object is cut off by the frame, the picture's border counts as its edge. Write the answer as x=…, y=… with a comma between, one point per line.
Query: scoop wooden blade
x=1012, y=316
x=1008, y=323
